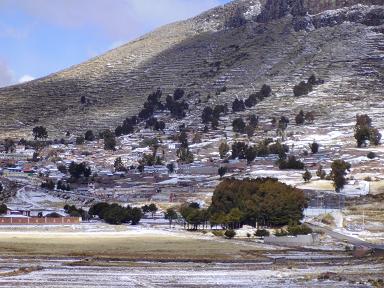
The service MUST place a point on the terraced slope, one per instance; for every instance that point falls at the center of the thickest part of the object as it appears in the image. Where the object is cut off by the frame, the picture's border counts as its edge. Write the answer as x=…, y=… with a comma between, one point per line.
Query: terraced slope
x=279, y=44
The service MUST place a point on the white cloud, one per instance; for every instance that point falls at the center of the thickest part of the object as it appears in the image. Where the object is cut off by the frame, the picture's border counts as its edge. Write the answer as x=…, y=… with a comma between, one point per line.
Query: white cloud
x=26, y=78
x=119, y=19
x=6, y=74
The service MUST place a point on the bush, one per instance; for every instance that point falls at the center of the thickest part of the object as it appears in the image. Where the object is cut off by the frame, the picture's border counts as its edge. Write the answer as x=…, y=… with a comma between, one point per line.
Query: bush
x=261, y=233
x=371, y=155
x=299, y=230
x=218, y=233
x=281, y=233
x=328, y=219
x=230, y=234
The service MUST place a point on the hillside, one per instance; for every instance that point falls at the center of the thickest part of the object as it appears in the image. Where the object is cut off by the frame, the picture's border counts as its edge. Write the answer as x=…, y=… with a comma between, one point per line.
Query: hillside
x=240, y=46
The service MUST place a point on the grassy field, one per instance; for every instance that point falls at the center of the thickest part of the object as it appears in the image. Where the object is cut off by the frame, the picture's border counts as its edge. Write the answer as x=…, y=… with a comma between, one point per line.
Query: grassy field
x=123, y=246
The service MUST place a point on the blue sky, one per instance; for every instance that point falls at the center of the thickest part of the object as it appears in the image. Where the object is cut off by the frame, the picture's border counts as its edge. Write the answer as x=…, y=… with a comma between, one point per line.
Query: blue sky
x=39, y=37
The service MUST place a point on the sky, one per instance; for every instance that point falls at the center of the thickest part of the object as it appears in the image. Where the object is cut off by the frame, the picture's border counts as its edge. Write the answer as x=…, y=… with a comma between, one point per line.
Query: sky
x=39, y=37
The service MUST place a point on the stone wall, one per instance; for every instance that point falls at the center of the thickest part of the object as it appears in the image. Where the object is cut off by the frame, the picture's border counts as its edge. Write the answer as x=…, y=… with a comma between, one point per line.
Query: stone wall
x=39, y=221
x=299, y=240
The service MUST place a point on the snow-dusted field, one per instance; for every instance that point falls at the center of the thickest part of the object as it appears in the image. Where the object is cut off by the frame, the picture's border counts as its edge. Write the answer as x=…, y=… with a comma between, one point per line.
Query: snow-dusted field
x=55, y=274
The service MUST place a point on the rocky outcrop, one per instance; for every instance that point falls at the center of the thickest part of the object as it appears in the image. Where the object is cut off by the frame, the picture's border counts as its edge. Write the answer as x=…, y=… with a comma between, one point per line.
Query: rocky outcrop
x=367, y=15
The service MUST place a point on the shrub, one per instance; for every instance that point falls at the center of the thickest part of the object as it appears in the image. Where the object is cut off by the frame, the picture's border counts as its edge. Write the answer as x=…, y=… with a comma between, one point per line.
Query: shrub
x=218, y=233
x=261, y=233
x=371, y=155
x=281, y=232
x=230, y=233
x=299, y=230
x=328, y=219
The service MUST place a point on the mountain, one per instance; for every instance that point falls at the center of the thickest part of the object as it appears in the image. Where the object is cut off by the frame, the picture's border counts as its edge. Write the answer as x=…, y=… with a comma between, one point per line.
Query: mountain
x=239, y=46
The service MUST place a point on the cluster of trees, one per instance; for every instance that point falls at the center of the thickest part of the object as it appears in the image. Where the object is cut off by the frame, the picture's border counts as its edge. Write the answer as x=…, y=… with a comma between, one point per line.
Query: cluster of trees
x=338, y=173
x=40, y=132
x=238, y=106
x=252, y=100
x=175, y=106
x=151, y=105
x=151, y=208
x=78, y=170
x=257, y=97
x=265, y=201
x=72, y=211
x=266, y=147
x=194, y=216
x=239, y=126
x=116, y=214
x=364, y=131
x=154, y=124
x=127, y=127
x=303, y=118
x=212, y=116
x=303, y=88
x=290, y=163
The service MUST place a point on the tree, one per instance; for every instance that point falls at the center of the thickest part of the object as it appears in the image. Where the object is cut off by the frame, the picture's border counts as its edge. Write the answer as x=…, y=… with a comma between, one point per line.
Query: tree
x=109, y=140
x=9, y=145
x=145, y=209
x=78, y=170
x=222, y=171
x=39, y=132
x=223, y=149
x=300, y=118
x=119, y=165
x=3, y=208
x=185, y=156
x=171, y=215
x=89, y=136
x=364, y=131
x=1, y=187
x=321, y=173
x=374, y=136
x=338, y=173
x=171, y=168
x=238, y=106
x=238, y=125
x=153, y=209
x=307, y=176
x=309, y=117
x=178, y=94
x=136, y=216
x=314, y=147
x=80, y=140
